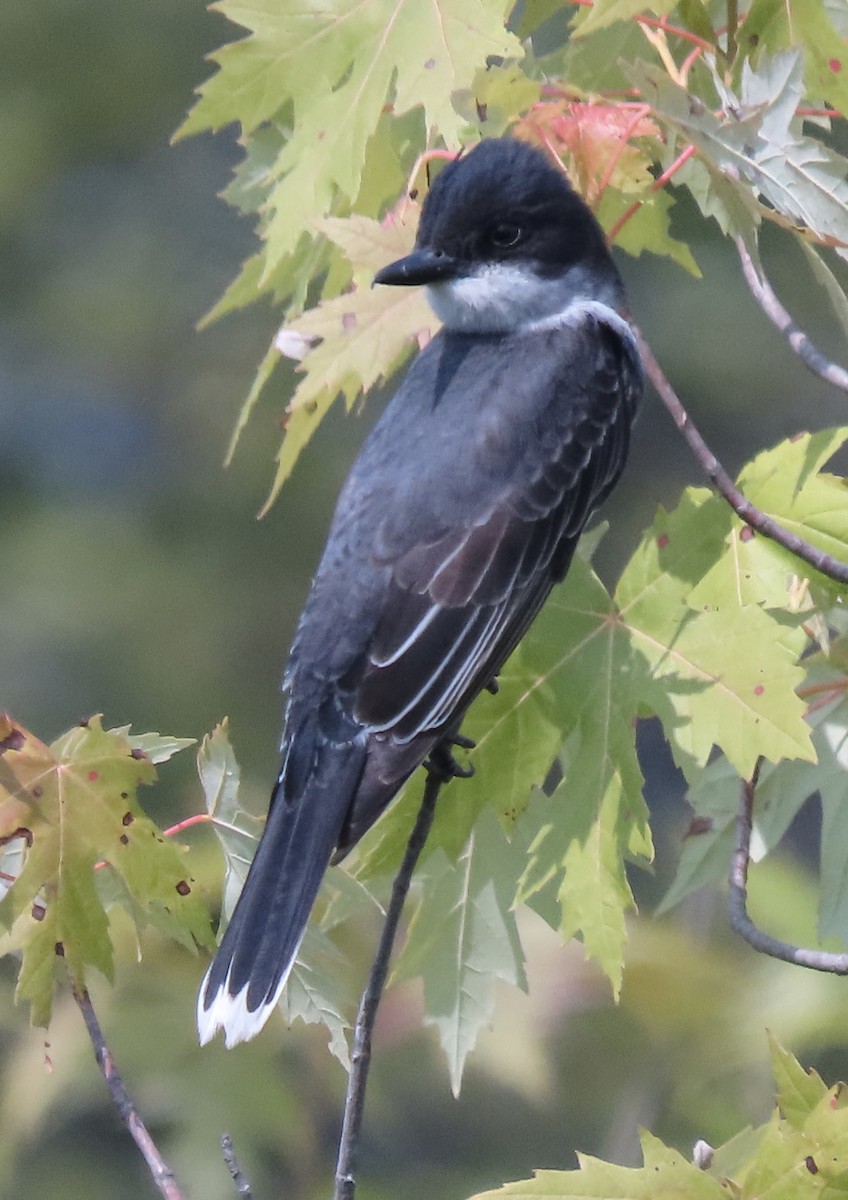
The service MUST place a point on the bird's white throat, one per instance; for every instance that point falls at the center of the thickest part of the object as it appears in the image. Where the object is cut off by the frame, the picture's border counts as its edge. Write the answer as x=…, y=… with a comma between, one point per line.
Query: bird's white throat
x=508, y=297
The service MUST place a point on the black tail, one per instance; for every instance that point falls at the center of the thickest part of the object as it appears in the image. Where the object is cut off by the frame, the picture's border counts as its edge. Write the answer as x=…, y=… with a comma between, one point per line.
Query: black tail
x=253, y=962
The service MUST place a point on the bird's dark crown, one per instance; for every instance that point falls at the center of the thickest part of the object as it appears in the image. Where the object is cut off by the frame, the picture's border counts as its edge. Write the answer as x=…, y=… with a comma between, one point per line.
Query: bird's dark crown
x=505, y=201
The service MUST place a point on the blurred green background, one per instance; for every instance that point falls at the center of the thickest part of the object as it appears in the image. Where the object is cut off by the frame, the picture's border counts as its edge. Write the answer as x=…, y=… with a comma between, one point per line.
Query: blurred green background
x=136, y=581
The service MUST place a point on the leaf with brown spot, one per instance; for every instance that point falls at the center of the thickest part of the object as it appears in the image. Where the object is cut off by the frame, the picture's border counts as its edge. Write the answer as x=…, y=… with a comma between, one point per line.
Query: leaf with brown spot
x=64, y=808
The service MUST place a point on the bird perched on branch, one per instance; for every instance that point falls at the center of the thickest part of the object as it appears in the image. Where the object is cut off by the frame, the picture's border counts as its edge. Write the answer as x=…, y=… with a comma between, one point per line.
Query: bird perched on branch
x=460, y=514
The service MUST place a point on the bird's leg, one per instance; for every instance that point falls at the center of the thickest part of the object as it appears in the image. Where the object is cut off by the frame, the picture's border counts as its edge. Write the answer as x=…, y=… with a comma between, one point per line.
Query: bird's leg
x=442, y=761
x=493, y=685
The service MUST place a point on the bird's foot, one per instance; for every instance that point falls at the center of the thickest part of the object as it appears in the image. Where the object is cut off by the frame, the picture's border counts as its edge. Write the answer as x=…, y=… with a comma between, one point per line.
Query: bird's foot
x=494, y=685
x=442, y=761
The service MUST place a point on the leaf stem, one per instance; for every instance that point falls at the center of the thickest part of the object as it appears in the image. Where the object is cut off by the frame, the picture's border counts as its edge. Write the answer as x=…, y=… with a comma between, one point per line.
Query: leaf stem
x=737, y=900
x=743, y=507
x=798, y=340
x=360, y=1059
x=161, y=1174
x=732, y=29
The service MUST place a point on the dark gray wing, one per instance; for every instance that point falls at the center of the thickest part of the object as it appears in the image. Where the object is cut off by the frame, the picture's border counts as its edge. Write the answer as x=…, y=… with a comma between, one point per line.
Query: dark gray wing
x=456, y=605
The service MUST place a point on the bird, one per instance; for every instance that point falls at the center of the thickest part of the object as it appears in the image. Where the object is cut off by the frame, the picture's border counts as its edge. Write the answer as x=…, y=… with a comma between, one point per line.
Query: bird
x=461, y=512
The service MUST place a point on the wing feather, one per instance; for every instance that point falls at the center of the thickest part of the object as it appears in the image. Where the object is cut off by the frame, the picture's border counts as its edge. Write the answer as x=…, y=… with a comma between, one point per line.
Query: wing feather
x=458, y=604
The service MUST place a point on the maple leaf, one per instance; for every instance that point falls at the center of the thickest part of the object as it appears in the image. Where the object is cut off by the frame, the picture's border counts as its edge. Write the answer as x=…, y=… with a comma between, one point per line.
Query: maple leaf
x=463, y=938
x=69, y=806
x=801, y=1152
x=348, y=343
x=791, y=179
x=337, y=66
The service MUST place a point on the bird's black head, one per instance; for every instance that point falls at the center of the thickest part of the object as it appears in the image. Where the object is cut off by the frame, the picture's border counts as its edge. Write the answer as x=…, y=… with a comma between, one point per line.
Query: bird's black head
x=504, y=241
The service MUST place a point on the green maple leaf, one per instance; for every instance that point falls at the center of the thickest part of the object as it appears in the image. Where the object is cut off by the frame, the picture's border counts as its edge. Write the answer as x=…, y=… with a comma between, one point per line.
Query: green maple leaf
x=798, y=1091
x=320, y=991
x=758, y=139
x=73, y=804
x=665, y=1175
x=463, y=938
x=730, y=668
x=788, y=483
x=771, y=26
x=362, y=336
x=237, y=830
x=595, y=685
x=648, y=229
x=336, y=68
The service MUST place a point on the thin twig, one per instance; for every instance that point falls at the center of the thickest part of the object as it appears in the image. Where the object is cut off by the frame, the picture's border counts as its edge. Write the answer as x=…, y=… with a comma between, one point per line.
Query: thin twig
x=161, y=1173
x=239, y=1178
x=360, y=1059
x=737, y=901
x=748, y=512
x=732, y=30
x=798, y=340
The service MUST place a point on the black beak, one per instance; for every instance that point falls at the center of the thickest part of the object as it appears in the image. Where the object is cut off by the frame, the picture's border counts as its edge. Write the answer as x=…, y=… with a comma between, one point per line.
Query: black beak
x=421, y=266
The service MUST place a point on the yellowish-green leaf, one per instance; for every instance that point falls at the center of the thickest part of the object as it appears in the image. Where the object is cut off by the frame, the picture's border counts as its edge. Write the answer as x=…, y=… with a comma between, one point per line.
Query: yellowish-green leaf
x=798, y=1091
x=361, y=336
x=463, y=938
x=337, y=67
x=236, y=830
x=73, y=805
x=648, y=229
x=666, y=1175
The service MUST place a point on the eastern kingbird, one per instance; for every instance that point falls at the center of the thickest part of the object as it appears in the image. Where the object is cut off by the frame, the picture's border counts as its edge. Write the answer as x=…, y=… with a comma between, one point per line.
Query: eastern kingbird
x=460, y=514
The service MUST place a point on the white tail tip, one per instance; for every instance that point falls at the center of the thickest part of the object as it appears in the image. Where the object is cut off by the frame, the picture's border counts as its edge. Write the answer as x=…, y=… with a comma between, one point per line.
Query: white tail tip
x=231, y=1014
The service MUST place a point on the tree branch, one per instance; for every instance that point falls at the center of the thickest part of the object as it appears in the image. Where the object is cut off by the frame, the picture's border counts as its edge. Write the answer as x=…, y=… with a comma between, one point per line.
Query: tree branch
x=798, y=340
x=162, y=1174
x=345, y=1185
x=239, y=1178
x=748, y=512
x=737, y=901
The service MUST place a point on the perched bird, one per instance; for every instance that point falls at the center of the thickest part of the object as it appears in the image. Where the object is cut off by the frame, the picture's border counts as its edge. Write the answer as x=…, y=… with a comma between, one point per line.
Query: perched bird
x=460, y=514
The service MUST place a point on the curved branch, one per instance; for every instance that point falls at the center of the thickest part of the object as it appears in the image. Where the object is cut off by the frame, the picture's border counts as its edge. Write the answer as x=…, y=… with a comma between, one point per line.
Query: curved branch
x=161, y=1173
x=798, y=340
x=748, y=512
x=438, y=772
x=737, y=901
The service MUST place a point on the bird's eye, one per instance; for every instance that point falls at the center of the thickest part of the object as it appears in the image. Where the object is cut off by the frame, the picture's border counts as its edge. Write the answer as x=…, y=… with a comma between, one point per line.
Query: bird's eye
x=506, y=235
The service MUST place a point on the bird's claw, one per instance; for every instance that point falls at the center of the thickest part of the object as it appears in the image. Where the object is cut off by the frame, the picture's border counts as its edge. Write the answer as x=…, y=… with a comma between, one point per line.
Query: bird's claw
x=443, y=762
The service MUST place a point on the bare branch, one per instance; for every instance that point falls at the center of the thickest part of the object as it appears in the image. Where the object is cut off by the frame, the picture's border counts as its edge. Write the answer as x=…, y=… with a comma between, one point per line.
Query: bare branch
x=798, y=340
x=162, y=1174
x=243, y=1188
x=748, y=512
x=737, y=901
x=438, y=773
